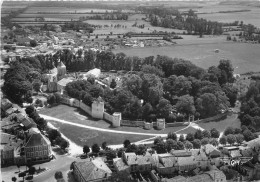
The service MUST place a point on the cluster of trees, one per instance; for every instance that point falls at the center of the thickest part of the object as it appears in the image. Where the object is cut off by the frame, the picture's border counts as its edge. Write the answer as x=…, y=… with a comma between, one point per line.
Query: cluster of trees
x=236, y=135
x=7, y=20
x=107, y=16
x=77, y=25
x=189, y=22
x=165, y=85
x=250, y=107
x=56, y=139
x=85, y=90
x=162, y=83
x=54, y=135
x=20, y=77
x=32, y=113
x=54, y=98
x=192, y=140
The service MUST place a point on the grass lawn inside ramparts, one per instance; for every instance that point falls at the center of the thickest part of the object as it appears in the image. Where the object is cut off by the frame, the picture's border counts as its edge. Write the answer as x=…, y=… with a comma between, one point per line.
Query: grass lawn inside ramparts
x=76, y=115
x=83, y=136
x=222, y=124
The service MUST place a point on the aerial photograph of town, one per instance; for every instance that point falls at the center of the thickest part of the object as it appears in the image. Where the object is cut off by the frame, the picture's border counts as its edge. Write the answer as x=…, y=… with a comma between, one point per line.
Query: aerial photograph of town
x=130, y=91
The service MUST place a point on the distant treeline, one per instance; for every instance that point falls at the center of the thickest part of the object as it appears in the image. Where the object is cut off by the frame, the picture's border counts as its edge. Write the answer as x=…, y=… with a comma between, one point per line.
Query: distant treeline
x=172, y=18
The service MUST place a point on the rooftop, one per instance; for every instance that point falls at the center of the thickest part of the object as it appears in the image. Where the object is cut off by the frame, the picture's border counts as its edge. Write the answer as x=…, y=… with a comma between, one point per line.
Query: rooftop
x=93, y=170
x=36, y=140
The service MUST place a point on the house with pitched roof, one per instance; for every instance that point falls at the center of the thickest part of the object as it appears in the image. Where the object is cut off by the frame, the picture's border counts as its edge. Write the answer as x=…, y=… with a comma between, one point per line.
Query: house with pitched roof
x=209, y=176
x=10, y=149
x=166, y=164
x=7, y=151
x=37, y=148
x=5, y=105
x=93, y=170
x=185, y=161
x=130, y=162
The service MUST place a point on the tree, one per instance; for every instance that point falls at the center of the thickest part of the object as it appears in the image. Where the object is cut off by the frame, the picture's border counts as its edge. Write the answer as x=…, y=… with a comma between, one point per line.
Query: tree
x=14, y=179
x=120, y=176
x=104, y=145
x=226, y=66
x=141, y=149
x=113, y=84
x=206, y=134
x=231, y=139
x=72, y=165
x=22, y=175
x=163, y=108
x=180, y=145
x=239, y=138
x=51, y=99
x=29, y=110
x=32, y=170
x=172, y=135
x=132, y=148
x=58, y=175
x=237, y=131
x=57, y=97
x=64, y=144
x=214, y=142
x=214, y=133
x=198, y=134
x=126, y=143
x=185, y=105
x=33, y=43
x=229, y=130
x=188, y=145
x=190, y=137
x=248, y=135
x=152, y=70
x=95, y=148
x=37, y=85
x=223, y=140
x=171, y=144
x=231, y=92
x=86, y=149
x=147, y=109
x=204, y=141
x=181, y=138
x=53, y=134
x=160, y=147
x=196, y=144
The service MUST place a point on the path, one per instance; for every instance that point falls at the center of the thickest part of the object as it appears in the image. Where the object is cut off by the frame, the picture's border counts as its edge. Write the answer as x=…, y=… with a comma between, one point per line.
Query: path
x=99, y=129
x=75, y=147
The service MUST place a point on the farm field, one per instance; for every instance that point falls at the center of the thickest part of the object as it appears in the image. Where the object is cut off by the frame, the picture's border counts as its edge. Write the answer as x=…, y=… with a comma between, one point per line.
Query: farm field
x=76, y=115
x=244, y=56
x=247, y=17
x=82, y=136
x=131, y=20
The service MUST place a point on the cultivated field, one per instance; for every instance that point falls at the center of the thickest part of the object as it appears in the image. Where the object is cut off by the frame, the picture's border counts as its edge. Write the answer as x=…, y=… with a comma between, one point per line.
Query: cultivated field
x=131, y=20
x=244, y=56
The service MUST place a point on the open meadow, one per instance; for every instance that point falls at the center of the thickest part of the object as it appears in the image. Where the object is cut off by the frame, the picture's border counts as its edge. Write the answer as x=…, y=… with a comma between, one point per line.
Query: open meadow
x=244, y=56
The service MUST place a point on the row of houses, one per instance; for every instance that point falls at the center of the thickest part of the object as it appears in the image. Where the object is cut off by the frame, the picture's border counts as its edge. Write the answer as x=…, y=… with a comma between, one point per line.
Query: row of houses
x=21, y=141
x=174, y=166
